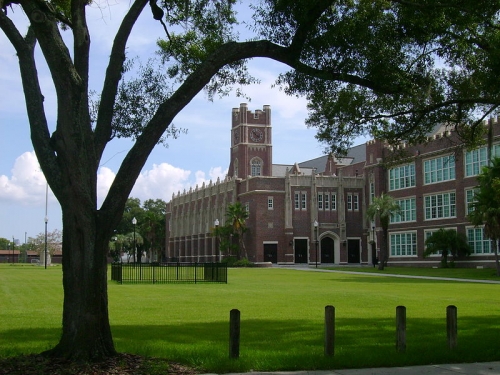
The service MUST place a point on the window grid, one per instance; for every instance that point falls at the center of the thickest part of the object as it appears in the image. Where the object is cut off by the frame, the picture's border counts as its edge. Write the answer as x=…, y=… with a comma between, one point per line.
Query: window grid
x=355, y=202
x=440, y=206
x=327, y=201
x=303, y=201
x=256, y=167
x=469, y=199
x=408, y=211
x=402, y=177
x=349, y=202
x=479, y=243
x=439, y=169
x=270, y=203
x=403, y=244
x=320, y=201
x=478, y=158
x=334, y=202
x=297, y=201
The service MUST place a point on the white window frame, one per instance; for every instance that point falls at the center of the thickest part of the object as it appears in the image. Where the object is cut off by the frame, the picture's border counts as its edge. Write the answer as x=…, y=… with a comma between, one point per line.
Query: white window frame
x=436, y=208
x=469, y=199
x=355, y=202
x=334, y=202
x=475, y=160
x=407, y=213
x=439, y=169
x=403, y=244
x=256, y=167
x=327, y=202
x=320, y=201
x=480, y=244
x=270, y=203
x=402, y=177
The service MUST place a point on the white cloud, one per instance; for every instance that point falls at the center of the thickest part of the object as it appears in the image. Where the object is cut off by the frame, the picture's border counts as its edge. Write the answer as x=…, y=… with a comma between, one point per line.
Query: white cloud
x=27, y=184
x=213, y=175
x=160, y=182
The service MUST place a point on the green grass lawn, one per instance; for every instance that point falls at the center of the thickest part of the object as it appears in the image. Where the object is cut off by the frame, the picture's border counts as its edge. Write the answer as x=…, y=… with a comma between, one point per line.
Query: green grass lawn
x=282, y=319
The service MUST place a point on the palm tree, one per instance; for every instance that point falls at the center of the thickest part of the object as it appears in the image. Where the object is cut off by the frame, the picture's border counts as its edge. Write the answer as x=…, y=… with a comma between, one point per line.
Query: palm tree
x=486, y=205
x=237, y=215
x=383, y=207
x=448, y=241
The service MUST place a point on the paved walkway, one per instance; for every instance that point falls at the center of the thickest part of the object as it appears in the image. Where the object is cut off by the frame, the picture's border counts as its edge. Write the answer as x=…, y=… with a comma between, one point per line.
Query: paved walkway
x=486, y=368
x=312, y=268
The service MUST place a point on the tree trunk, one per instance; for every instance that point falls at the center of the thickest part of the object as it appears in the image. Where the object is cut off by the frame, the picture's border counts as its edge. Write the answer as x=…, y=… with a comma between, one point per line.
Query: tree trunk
x=86, y=333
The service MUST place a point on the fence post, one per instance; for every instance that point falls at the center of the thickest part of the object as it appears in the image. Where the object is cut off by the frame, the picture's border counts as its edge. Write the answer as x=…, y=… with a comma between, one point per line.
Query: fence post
x=451, y=326
x=329, y=330
x=401, y=329
x=234, y=333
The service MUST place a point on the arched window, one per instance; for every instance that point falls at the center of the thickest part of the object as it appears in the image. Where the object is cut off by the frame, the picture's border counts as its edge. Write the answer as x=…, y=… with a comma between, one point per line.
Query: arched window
x=256, y=167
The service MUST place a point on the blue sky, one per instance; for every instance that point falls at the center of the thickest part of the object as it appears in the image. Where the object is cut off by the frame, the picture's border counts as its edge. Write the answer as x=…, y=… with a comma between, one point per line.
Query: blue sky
x=200, y=155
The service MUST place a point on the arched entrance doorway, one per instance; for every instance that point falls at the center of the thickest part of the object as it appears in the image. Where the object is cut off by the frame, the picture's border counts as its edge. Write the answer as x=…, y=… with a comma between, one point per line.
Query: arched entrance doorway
x=327, y=250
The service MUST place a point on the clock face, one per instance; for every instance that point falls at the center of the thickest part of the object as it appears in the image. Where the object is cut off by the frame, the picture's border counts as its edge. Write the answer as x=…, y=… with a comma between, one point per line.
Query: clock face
x=256, y=135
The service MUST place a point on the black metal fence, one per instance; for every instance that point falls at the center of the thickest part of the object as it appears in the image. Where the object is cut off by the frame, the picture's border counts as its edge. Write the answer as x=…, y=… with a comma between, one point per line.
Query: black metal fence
x=165, y=273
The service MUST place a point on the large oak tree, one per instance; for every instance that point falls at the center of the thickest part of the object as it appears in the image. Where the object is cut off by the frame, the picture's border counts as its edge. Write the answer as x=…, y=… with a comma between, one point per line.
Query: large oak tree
x=394, y=68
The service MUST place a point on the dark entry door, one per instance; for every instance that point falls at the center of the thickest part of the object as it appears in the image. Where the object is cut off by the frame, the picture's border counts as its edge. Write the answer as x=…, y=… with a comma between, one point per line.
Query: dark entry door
x=353, y=251
x=327, y=250
x=301, y=251
x=271, y=253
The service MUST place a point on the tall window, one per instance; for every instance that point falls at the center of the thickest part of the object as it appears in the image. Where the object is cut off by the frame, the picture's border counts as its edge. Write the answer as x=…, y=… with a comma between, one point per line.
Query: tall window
x=408, y=211
x=327, y=201
x=355, y=202
x=478, y=158
x=402, y=177
x=270, y=203
x=479, y=243
x=439, y=169
x=334, y=202
x=349, y=202
x=320, y=201
x=300, y=200
x=440, y=206
x=403, y=244
x=469, y=199
x=236, y=170
x=256, y=166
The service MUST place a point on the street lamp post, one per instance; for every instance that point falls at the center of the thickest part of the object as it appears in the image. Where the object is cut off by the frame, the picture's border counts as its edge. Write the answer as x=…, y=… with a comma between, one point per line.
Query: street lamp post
x=13, y=245
x=134, y=222
x=46, y=219
x=216, y=224
x=316, y=240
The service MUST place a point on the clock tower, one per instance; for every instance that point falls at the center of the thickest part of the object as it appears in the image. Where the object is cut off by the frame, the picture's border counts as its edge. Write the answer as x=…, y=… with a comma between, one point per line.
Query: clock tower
x=251, y=146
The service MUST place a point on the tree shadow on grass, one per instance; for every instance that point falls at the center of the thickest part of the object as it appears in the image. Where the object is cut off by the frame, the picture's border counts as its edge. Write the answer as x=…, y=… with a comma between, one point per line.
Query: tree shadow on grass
x=289, y=344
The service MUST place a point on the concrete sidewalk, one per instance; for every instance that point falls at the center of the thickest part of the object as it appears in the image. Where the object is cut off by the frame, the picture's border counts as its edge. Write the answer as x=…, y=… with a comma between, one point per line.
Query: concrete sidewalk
x=486, y=368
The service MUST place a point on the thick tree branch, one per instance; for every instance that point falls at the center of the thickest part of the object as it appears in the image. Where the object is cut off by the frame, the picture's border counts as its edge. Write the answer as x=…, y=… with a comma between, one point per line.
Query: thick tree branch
x=40, y=135
x=113, y=76
x=226, y=54
x=308, y=23
x=81, y=39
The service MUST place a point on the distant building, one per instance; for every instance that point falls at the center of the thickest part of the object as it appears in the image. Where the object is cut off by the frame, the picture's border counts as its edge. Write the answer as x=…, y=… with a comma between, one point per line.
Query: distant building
x=314, y=211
